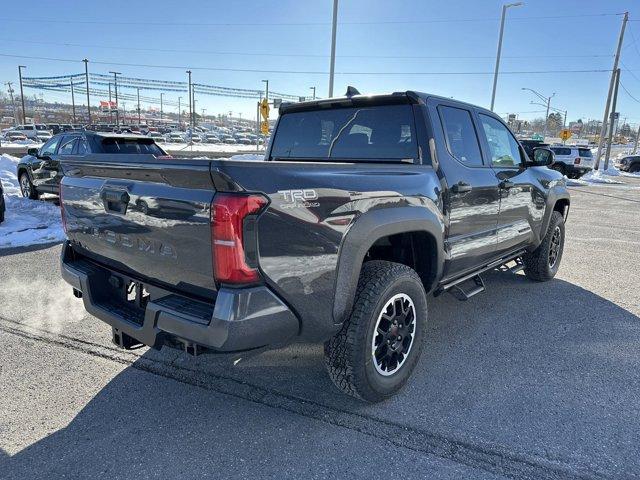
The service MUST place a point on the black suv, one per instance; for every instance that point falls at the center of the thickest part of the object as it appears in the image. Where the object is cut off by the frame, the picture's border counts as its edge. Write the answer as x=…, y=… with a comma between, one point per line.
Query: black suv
x=630, y=164
x=39, y=170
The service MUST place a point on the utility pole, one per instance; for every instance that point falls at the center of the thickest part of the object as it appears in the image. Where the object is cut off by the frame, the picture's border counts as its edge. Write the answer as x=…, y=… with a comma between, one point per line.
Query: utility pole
x=24, y=113
x=547, y=101
x=115, y=85
x=161, y=93
x=73, y=101
x=635, y=145
x=603, y=129
x=179, y=112
x=190, y=98
x=13, y=105
x=86, y=77
x=266, y=89
x=193, y=92
x=314, y=92
x=612, y=120
x=495, y=73
x=110, y=112
x=332, y=64
x=138, y=89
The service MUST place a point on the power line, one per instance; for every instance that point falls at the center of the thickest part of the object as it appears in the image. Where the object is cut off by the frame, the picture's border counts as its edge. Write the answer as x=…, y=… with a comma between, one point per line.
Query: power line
x=628, y=93
x=304, y=24
x=304, y=72
x=306, y=55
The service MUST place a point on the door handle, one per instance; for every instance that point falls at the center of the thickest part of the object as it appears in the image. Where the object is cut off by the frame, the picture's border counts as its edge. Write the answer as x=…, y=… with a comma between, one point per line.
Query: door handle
x=506, y=184
x=461, y=187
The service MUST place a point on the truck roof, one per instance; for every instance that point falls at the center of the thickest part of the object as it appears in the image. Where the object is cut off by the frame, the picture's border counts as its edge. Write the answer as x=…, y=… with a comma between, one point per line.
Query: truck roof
x=408, y=96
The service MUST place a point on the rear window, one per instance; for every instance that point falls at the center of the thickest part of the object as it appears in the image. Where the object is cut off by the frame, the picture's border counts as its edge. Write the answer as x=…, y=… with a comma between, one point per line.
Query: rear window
x=131, y=145
x=562, y=151
x=584, y=152
x=383, y=132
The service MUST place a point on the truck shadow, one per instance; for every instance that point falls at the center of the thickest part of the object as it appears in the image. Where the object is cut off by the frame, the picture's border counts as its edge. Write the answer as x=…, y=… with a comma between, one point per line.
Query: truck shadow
x=507, y=367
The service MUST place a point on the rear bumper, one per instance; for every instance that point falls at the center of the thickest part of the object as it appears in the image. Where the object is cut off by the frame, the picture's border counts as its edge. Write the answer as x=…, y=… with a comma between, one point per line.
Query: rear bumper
x=240, y=319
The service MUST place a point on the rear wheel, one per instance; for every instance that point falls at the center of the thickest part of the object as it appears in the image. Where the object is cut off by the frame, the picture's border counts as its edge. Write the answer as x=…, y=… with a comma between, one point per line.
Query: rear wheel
x=375, y=352
x=26, y=187
x=542, y=264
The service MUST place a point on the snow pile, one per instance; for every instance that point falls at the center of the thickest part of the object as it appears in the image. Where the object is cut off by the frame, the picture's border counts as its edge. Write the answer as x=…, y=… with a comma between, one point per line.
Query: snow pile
x=600, y=176
x=27, y=222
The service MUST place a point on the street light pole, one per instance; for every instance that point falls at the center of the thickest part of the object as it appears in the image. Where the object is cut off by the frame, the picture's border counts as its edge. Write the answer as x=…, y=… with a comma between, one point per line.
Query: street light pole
x=161, y=93
x=179, y=112
x=332, y=64
x=86, y=76
x=73, y=101
x=24, y=114
x=138, y=89
x=495, y=73
x=190, y=114
x=314, y=92
x=110, y=112
x=547, y=101
x=115, y=85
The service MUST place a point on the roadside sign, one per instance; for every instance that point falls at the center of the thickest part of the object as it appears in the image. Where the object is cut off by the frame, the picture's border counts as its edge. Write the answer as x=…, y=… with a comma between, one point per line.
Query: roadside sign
x=264, y=127
x=565, y=134
x=264, y=109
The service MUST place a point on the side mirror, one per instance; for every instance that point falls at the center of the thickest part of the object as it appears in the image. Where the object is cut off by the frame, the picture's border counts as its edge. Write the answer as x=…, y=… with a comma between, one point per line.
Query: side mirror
x=32, y=151
x=542, y=157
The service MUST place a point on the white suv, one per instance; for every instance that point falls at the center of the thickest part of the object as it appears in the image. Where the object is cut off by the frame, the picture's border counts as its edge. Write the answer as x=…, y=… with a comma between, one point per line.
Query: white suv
x=32, y=131
x=571, y=160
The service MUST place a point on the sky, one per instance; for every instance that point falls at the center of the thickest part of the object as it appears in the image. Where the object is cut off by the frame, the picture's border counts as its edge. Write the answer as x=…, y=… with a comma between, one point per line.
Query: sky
x=445, y=47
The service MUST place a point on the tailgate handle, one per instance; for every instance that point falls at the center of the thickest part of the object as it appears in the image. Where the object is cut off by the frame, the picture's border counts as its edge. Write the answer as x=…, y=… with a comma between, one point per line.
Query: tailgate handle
x=115, y=200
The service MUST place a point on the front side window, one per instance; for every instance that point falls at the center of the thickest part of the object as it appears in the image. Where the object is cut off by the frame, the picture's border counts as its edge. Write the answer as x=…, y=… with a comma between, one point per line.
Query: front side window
x=382, y=132
x=49, y=148
x=462, y=140
x=66, y=147
x=503, y=147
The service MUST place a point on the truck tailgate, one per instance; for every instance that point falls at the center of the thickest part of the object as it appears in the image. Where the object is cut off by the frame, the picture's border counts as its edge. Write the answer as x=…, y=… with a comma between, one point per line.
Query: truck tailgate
x=146, y=216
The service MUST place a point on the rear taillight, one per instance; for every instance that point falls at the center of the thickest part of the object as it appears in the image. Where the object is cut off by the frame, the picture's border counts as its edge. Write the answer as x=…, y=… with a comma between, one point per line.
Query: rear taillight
x=62, y=214
x=576, y=161
x=233, y=238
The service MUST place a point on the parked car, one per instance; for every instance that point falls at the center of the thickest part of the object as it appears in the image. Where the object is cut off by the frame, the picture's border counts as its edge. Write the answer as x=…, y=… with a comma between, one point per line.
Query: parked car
x=54, y=128
x=27, y=130
x=157, y=136
x=243, y=140
x=408, y=194
x=572, y=161
x=14, y=136
x=39, y=171
x=3, y=206
x=210, y=138
x=629, y=164
x=175, y=137
x=43, y=136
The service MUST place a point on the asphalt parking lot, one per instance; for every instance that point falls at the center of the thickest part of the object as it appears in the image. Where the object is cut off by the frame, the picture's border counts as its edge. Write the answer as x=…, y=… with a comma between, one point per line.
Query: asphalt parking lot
x=536, y=381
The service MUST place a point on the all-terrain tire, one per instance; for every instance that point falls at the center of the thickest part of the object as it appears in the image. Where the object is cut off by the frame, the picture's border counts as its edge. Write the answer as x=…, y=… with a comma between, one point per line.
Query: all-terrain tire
x=542, y=264
x=27, y=188
x=349, y=354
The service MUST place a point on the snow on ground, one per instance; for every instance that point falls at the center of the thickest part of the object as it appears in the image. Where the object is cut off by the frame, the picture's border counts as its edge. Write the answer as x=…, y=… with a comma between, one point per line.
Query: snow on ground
x=27, y=222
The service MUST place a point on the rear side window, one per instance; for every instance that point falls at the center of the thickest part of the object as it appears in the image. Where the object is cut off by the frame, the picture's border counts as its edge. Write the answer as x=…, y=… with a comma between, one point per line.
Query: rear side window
x=462, y=140
x=66, y=147
x=562, y=151
x=384, y=132
x=131, y=145
x=585, y=152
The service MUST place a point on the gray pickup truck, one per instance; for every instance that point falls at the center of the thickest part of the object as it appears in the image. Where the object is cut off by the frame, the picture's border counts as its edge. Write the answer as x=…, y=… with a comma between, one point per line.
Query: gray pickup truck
x=362, y=207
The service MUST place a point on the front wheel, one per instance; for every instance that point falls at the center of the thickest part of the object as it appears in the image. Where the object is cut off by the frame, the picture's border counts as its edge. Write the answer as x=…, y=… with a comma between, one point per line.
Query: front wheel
x=542, y=264
x=377, y=348
x=27, y=188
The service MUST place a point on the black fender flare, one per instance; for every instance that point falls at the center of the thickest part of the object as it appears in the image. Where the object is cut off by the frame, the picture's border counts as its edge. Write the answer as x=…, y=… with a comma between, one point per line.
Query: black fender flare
x=366, y=230
x=555, y=194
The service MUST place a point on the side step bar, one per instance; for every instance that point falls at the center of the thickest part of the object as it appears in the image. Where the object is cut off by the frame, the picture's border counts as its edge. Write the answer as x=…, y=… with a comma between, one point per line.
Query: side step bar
x=454, y=287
